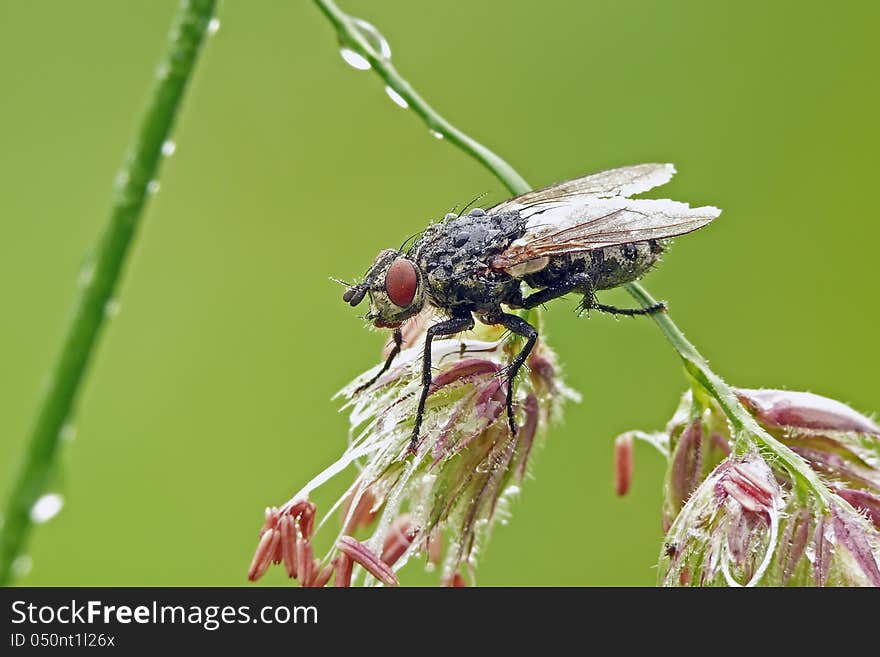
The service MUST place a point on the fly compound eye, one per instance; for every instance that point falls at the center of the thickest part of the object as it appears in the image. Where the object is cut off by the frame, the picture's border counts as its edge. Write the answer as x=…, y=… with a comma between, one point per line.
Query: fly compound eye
x=401, y=282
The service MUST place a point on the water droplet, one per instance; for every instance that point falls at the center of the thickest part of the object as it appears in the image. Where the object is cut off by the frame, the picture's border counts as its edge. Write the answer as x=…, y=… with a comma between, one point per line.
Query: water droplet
x=485, y=467
x=213, y=25
x=153, y=187
x=121, y=179
x=168, y=147
x=355, y=60
x=162, y=71
x=377, y=42
x=68, y=432
x=399, y=100
x=436, y=135
x=46, y=508
x=374, y=37
x=22, y=565
x=86, y=274
x=111, y=308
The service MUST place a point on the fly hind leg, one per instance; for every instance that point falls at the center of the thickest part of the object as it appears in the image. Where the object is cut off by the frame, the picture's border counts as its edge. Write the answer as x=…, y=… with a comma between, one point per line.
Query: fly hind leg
x=628, y=312
x=576, y=282
x=583, y=283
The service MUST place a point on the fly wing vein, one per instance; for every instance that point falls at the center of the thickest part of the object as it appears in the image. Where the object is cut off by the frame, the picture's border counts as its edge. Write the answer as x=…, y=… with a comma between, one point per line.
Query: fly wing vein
x=620, y=182
x=603, y=223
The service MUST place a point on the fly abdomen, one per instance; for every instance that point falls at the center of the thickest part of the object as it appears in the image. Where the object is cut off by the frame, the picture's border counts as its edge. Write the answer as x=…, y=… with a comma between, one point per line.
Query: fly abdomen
x=607, y=267
x=617, y=265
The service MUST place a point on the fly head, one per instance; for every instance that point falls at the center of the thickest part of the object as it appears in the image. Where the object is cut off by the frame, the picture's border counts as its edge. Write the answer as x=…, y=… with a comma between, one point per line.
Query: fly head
x=395, y=287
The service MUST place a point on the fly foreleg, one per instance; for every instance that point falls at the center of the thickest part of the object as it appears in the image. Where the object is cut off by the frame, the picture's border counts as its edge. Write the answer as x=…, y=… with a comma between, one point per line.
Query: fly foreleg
x=457, y=324
x=397, y=336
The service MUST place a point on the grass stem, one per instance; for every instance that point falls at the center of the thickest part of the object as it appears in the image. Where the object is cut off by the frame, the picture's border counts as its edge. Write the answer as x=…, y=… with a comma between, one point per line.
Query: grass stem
x=100, y=276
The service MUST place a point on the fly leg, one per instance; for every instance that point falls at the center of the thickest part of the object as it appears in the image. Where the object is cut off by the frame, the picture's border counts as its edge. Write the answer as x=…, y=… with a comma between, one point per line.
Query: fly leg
x=463, y=321
x=521, y=327
x=397, y=336
x=590, y=302
x=584, y=283
x=578, y=281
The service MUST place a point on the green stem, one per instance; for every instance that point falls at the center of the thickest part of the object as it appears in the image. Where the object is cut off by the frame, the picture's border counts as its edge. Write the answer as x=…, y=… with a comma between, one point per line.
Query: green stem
x=746, y=429
x=351, y=37
x=101, y=274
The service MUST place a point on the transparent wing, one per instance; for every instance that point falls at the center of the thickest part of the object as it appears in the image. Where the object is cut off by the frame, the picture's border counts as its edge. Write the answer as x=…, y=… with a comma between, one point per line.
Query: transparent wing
x=601, y=223
x=624, y=181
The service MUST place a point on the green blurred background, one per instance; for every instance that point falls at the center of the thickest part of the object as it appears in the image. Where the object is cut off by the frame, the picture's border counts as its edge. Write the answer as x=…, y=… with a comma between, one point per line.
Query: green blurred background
x=210, y=396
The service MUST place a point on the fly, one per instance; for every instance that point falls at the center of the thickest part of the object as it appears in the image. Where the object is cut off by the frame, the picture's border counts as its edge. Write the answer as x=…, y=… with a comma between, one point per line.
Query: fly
x=578, y=236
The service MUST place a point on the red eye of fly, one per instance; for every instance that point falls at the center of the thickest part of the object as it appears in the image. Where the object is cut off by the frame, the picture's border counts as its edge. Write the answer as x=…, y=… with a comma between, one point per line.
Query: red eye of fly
x=401, y=282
